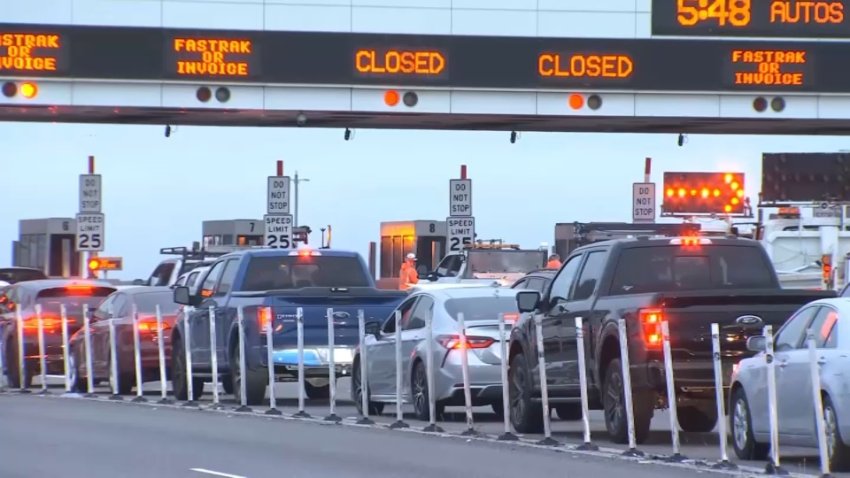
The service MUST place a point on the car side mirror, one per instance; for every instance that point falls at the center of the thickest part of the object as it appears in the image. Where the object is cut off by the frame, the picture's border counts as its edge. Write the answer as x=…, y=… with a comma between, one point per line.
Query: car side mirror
x=182, y=296
x=373, y=328
x=527, y=300
x=757, y=343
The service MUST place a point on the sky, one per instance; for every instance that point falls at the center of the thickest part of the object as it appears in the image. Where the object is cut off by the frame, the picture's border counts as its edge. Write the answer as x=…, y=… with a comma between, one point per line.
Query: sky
x=158, y=190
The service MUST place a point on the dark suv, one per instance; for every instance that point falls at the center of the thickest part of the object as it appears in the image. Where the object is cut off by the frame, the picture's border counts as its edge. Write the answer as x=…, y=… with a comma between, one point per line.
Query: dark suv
x=689, y=283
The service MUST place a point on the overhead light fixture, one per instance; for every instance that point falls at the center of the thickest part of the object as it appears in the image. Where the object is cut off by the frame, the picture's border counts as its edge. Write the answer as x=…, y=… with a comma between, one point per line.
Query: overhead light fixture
x=347, y=134
x=167, y=131
x=514, y=136
x=682, y=139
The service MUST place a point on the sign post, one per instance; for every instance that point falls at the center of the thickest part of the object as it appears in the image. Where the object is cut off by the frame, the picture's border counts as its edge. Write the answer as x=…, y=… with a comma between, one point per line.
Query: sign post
x=460, y=225
x=278, y=220
x=91, y=222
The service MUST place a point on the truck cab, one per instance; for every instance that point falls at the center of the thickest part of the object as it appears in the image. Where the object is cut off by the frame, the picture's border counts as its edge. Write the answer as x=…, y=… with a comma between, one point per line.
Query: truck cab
x=488, y=262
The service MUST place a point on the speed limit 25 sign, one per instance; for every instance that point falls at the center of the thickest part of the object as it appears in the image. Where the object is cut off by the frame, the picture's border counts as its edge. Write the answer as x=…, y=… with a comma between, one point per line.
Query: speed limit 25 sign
x=278, y=230
x=461, y=233
x=90, y=232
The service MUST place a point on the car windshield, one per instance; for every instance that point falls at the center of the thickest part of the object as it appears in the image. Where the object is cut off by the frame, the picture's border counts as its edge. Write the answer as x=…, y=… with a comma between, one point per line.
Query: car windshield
x=295, y=272
x=671, y=268
x=74, y=299
x=481, y=308
x=147, y=302
x=13, y=276
x=505, y=261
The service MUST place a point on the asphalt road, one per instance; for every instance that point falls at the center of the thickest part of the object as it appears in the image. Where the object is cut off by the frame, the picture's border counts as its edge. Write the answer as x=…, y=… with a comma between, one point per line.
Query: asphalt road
x=53, y=436
x=700, y=447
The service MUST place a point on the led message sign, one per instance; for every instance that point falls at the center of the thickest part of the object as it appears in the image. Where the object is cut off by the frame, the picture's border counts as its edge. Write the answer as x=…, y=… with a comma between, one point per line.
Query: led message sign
x=31, y=53
x=756, y=18
x=208, y=57
x=326, y=58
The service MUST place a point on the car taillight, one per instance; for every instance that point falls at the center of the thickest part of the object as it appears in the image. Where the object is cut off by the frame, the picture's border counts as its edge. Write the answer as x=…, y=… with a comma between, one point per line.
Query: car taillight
x=50, y=323
x=149, y=325
x=650, y=321
x=453, y=342
x=511, y=318
x=265, y=319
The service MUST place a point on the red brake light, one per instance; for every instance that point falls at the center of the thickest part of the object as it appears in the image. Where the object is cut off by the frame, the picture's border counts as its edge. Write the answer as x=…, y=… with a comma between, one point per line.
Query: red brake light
x=149, y=325
x=79, y=288
x=511, y=318
x=453, y=342
x=650, y=321
x=50, y=323
x=265, y=318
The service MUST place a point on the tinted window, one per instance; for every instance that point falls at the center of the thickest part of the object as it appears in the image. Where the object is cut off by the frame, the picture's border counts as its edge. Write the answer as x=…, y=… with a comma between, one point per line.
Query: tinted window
x=521, y=284
x=18, y=275
x=227, y=277
x=824, y=326
x=562, y=283
x=73, y=299
x=193, y=277
x=481, y=308
x=591, y=273
x=294, y=272
x=211, y=279
x=450, y=266
x=423, y=309
x=791, y=335
x=535, y=283
x=405, y=309
x=670, y=268
x=146, y=302
x=190, y=266
x=162, y=274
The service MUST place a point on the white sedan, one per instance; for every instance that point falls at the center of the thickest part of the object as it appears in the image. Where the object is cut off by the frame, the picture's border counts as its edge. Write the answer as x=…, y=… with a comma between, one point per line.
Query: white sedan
x=829, y=320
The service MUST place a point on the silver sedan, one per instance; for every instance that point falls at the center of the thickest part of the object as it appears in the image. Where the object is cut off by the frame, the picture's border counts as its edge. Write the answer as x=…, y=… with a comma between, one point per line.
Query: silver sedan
x=480, y=307
x=829, y=320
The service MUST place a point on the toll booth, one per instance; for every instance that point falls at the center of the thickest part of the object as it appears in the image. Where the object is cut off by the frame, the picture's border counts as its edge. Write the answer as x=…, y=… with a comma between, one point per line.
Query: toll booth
x=48, y=244
x=425, y=238
x=569, y=236
x=233, y=232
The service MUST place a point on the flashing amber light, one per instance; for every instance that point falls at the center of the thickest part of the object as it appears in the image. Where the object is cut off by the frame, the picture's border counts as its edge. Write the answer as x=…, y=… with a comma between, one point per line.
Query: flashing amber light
x=693, y=192
x=740, y=193
x=576, y=102
x=94, y=264
x=735, y=201
x=650, y=320
x=148, y=325
x=671, y=193
x=704, y=193
x=728, y=178
x=716, y=193
x=391, y=98
x=29, y=90
x=682, y=192
x=734, y=186
x=727, y=208
x=49, y=323
x=206, y=293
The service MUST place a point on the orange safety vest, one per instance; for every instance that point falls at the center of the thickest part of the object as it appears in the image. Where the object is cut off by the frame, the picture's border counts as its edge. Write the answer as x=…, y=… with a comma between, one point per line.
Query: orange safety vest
x=407, y=277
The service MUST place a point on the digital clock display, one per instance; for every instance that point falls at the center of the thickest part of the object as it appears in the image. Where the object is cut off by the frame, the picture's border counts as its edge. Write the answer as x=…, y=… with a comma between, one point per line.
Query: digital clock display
x=752, y=18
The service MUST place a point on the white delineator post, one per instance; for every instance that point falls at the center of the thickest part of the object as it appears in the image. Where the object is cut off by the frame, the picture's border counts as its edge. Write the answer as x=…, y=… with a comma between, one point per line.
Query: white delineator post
x=671, y=392
x=817, y=398
x=364, y=370
x=332, y=416
x=137, y=356
x=214, y=360
x=299, y=324
x=582, y=376
x=773, y=414
x=163, y=385
x=42, y=350
x=627, y=389
x=503, y=369
x=63, y=313
x=399, y=416
x=243, y=386
x=544, y=384
x=270, y=362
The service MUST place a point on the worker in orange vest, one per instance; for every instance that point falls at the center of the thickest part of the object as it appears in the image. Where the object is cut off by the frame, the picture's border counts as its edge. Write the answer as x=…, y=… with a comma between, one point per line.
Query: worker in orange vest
x=554, y=262
x=408, y=276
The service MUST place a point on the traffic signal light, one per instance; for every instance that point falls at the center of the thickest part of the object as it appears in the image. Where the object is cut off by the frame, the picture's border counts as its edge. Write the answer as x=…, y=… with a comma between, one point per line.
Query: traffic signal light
x=105, y=264
x=703, y=193
x=26, y=89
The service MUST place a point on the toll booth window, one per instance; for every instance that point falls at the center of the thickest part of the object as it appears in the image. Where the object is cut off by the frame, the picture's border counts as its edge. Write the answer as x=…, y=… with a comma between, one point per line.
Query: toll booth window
x=387, y=257
x=407, y=246
x=294, y=272
x=398, y=257
x=643, y=270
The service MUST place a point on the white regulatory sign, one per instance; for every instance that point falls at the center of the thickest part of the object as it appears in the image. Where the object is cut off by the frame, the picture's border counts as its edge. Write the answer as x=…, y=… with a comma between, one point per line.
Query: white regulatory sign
x=460, y=197
x=91, y=230
x=278, y=192
x=90, y=193
x=643, y=202
x=278, y=230
x=461, y=233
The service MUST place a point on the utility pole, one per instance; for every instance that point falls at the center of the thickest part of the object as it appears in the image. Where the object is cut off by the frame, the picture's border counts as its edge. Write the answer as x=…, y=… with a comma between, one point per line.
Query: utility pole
x=297, y=200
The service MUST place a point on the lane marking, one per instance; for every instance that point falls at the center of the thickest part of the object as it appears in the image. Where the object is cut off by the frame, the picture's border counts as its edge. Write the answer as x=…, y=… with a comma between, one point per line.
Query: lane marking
x=215, y=473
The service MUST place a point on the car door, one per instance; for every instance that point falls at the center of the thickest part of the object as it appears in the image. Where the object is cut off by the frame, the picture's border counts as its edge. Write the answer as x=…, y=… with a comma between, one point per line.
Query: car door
x=412, y=334
x=790, y=391
x=382, y=352
x=213, y=291
x=580, y=304
x=796, y=378
x=553, y=318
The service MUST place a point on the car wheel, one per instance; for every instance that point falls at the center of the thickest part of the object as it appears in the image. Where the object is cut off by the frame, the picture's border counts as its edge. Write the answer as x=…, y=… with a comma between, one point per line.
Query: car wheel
x=568, y=411
x=179, y=386
x=697, y=420
x=255, y=382
x=614, y=406
x=746, y=447
x=75, y=377
x=125, y=380
x=14, y=368
x=837, y=449
x=226, y=382
x=526, y=415
x=375, y=408
x=317, y=392
x=419, y=392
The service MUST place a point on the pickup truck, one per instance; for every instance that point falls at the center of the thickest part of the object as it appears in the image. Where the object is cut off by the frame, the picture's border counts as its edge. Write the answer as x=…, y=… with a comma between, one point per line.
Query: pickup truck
x=283, y=279
x=486, y=265
x=689, y=282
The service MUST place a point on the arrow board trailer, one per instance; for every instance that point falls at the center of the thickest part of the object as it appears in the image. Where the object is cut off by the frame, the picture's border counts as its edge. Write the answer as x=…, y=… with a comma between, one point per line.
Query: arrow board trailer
x=90, y=193
x=460, y=197
x=278, y=192
x=643, y=203
x=91, y=232
x=461, y=233
x=278, y=230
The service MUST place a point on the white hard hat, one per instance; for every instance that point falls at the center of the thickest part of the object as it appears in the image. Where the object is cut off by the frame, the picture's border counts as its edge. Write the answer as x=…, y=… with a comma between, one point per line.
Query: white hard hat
x=411, y=256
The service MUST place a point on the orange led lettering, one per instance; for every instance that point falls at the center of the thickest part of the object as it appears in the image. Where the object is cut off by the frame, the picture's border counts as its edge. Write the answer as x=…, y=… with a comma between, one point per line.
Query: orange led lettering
x=769, y=67
x=585, y=66
x=20, y=52
x=806, y=12
x=210, y=56
x=400, y=62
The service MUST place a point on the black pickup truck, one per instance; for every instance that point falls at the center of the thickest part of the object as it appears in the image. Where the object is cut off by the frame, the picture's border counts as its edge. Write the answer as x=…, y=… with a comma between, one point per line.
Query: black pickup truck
x=688, y=282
